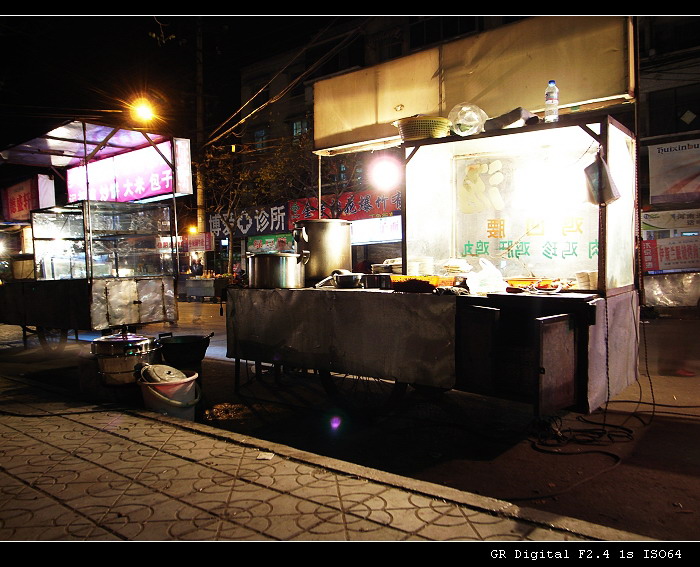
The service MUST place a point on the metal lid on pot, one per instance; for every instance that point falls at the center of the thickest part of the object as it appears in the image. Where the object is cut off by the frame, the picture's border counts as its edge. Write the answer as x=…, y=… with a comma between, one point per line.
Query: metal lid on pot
x=123, y=344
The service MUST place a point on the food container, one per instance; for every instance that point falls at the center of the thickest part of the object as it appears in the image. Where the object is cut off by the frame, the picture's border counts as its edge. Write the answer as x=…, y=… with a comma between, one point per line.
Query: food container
x=421, y=127
x=184, y=351
x=527, y=282
x=119, y=355
x=277, y=270
x=382, y=268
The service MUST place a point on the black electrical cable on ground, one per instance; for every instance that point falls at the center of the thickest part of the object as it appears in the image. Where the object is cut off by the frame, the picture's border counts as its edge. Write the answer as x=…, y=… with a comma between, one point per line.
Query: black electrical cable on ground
x=571, y=487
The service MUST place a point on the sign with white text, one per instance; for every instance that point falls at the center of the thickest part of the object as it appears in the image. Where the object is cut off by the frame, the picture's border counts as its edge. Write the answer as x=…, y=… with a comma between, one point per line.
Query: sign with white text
x=127, y=177
x=251, y=222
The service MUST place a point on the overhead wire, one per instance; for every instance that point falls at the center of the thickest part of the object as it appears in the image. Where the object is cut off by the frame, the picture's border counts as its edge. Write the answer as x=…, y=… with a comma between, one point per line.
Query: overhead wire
x=349, y=36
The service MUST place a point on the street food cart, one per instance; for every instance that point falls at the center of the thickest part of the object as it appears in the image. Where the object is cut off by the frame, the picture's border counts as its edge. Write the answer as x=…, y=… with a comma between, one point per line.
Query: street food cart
x=551, y=205
x=106, y=258
x=570, y=343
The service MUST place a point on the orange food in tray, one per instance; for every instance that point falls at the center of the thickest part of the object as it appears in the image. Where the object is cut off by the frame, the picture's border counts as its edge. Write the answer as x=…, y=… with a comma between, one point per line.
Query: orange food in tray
x=542, y=283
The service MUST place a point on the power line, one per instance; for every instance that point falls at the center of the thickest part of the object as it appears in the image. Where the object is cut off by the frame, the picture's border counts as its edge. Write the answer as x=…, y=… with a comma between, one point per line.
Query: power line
x=347, y=39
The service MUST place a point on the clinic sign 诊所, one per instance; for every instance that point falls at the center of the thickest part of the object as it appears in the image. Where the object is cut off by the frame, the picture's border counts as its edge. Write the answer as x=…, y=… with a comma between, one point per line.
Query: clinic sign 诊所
x=132, y=176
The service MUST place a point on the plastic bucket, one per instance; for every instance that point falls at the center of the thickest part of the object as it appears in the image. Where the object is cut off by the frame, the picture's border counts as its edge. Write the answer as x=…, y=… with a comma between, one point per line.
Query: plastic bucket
x=176, y=398
x=184, y=351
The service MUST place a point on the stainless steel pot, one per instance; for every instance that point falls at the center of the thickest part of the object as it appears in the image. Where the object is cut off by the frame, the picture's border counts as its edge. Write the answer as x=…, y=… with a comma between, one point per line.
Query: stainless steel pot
x=277, y=270
x=328, y=241
x=342, y=279
x=119, y=355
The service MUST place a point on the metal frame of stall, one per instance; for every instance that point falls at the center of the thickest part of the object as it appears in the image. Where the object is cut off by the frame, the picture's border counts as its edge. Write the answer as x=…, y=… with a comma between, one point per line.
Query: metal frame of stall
x=605, y=317
x=68, y=145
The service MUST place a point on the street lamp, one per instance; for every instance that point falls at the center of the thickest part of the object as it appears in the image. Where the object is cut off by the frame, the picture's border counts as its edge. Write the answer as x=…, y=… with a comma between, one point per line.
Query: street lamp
x=385, y=173
x=142, y=110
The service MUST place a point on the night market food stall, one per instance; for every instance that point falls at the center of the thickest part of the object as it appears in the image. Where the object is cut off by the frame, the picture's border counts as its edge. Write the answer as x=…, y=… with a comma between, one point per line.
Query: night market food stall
x=106, y=258
x=518, y=275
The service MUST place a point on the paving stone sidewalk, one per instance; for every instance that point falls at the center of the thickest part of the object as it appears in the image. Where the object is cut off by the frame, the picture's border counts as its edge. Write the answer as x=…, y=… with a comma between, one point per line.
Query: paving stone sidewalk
x=75, y=471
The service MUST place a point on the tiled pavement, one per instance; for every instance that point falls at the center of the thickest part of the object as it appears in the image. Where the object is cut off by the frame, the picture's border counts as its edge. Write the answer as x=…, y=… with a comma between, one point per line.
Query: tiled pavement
x=75, y=471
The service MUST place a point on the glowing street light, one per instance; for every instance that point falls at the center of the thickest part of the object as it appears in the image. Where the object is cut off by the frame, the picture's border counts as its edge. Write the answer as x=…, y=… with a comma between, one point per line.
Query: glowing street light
x=142, y=110
x=385, y=173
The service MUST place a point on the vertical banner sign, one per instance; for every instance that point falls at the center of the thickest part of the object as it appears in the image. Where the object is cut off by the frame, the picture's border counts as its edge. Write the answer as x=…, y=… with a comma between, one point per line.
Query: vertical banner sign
x=674, y=172
x=183, y=167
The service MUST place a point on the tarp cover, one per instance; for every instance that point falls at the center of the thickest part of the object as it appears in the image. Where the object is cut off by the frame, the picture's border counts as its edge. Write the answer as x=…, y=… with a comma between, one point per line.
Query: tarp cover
x=405, y=337
x=69, y=144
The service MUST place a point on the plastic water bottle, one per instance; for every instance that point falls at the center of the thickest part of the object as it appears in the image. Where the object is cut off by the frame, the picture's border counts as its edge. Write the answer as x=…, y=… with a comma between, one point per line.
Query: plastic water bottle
x=551, y=103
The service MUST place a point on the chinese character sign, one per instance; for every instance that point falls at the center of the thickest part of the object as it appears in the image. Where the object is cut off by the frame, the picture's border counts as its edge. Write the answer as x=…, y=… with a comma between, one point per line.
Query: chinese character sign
x=530, y=217
x=18, y=200
x=127, y=177
x=671, y=223
x=350, y=205
x=671, y=254
x=183, y=167
x=252, y=222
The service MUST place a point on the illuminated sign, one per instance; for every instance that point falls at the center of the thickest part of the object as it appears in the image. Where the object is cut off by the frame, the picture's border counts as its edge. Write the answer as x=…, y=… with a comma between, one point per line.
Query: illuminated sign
x=352, y=206
x=18, y=200
x=136, y=175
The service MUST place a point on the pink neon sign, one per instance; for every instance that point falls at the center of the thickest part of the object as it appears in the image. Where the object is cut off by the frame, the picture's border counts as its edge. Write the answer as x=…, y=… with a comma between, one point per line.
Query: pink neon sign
x=126, y=177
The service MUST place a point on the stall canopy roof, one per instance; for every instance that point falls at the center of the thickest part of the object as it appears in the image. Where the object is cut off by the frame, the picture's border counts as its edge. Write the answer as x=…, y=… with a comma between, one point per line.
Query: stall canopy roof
x=73, y=142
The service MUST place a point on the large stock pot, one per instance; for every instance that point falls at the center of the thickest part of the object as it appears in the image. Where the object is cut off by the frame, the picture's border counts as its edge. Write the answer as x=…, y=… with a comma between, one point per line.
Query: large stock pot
x=272, y=270
x=329, y=243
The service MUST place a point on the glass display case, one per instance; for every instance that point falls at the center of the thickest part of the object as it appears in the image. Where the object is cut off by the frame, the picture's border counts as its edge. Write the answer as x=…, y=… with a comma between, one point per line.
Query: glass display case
x=95, y=239
x=98, y=265
x=528, y=201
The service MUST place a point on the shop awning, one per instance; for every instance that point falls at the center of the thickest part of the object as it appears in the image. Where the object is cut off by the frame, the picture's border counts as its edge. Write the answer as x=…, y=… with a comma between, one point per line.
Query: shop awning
x=74, y=142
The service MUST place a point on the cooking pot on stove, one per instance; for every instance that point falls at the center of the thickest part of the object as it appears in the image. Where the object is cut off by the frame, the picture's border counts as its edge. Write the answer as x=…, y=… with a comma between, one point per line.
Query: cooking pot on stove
x=342, y=279
x=272, y=270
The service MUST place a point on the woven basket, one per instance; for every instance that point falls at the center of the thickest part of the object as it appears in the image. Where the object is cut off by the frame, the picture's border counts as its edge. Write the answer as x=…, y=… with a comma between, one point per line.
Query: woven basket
x=421, y=127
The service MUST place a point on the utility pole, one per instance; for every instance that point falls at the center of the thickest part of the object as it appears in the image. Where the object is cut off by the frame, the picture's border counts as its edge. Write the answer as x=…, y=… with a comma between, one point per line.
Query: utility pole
x=201, y=217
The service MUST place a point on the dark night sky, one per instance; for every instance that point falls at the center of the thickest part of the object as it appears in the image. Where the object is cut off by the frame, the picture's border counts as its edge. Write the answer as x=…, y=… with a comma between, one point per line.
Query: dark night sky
x=63, y=66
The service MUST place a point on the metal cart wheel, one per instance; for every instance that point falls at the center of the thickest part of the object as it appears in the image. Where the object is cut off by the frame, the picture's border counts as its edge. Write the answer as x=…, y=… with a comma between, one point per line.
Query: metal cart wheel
x=362, y=395
x=52, y=340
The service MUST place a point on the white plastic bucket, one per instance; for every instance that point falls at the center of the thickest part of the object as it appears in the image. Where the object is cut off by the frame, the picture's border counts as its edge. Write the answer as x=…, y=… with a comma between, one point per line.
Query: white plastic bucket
x=176, y=398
